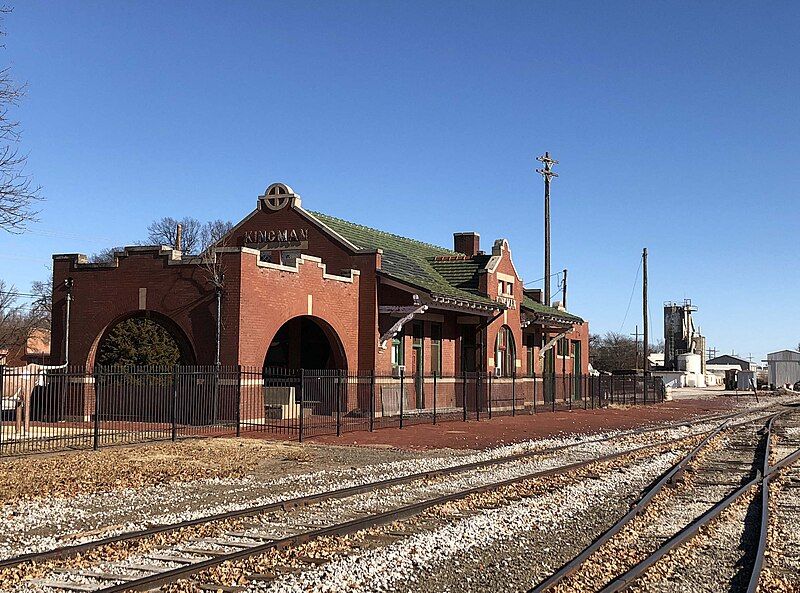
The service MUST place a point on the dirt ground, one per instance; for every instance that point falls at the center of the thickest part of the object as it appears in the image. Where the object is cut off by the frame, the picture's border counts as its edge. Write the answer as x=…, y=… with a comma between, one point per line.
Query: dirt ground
x=71, y=473
x=522, y=427
x=258, y=454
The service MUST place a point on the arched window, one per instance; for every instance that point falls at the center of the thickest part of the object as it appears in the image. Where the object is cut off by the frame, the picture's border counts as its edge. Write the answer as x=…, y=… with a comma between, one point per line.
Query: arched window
x=505, y=352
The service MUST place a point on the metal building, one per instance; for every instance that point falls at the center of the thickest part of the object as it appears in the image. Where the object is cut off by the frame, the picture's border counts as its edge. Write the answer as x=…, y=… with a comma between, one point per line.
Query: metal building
x=784, y=367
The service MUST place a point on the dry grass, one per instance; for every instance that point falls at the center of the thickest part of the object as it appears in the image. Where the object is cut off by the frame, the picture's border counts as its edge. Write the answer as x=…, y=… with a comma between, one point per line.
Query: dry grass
x=71, y=473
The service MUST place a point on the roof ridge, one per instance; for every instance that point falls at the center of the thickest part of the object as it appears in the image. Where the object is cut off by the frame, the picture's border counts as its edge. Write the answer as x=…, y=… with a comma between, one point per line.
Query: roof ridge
x=447, y=258
x=388, y=234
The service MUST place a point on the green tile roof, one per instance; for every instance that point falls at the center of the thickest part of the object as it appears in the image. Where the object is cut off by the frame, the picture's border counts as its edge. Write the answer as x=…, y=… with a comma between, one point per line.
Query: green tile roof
x=462, y=273
x=531, y=305
x=409, y=260
x=436, y=269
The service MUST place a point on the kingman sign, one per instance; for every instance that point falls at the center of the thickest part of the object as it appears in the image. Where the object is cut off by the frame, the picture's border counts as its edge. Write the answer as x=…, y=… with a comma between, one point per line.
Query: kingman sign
x=277, y=239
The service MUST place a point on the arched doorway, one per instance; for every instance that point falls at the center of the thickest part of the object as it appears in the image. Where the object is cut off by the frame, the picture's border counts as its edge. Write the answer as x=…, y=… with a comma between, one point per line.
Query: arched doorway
x=135, y=379
x=505, y=352
x=306, y=342
x=142, y=339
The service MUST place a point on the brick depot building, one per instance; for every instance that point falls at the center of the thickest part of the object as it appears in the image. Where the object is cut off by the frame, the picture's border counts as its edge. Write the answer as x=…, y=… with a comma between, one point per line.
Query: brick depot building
x=303, y=289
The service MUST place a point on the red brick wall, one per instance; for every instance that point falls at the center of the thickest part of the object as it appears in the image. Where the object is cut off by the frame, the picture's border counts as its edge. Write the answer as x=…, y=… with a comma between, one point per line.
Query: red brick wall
x=258, y=300
x=104, y=295
x=510, y=317
x=270, y=297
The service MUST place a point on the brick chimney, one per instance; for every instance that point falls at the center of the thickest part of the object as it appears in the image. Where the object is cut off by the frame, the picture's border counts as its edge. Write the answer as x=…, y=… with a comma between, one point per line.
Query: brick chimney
x=467, y=243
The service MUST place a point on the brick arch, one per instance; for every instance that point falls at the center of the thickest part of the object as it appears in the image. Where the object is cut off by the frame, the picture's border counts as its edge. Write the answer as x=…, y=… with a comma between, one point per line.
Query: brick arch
x=188, y=352
x=335, y=343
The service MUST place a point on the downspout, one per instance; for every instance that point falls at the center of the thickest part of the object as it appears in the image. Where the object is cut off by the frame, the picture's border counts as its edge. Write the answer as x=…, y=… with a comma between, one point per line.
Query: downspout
x=219, y=324
x=68, y=283
x=218, y=291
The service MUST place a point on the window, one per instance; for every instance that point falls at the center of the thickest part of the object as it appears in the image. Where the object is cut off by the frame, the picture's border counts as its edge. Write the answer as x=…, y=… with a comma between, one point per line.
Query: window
x=398, y=351
x=436, y=348
x=500, y=287
x=563, y=347
x=504, y=353
x=510, y=288
x=529, y=340
x=417, y=335
x=470, y=348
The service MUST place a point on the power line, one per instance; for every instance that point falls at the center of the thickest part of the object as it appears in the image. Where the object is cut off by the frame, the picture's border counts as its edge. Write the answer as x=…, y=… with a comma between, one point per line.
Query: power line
x=540, y=279
x=630, y=300
x=20, y=294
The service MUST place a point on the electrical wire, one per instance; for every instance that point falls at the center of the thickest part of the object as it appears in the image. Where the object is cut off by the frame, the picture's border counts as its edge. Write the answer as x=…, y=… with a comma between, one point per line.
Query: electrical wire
x=630, y=300
x=542, y=278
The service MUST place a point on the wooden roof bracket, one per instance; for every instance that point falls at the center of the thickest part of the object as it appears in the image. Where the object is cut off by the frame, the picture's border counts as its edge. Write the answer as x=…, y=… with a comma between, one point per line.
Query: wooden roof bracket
x=552, y=343
x=482, y=326
x=410, y=312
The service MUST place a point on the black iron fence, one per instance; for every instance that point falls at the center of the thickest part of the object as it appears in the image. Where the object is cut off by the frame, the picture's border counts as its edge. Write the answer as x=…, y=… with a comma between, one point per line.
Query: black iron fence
x=48, y=408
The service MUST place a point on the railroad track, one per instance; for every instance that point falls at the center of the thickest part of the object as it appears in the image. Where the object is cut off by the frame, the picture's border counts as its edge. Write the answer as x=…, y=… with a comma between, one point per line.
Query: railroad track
x=189, y=554
x=708, y=487
x=69, y=550
x=261, y=530
x=779, y=569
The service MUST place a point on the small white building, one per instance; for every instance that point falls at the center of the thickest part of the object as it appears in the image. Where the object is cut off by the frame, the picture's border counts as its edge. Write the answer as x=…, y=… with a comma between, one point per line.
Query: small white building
x=784, y=367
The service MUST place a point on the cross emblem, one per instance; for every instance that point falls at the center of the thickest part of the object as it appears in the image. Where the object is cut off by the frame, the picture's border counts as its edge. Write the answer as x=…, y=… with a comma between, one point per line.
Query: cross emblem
x=276, y=196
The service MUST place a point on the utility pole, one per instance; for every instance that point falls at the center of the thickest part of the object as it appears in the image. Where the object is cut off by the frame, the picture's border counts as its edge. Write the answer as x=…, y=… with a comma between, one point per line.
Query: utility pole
x=636, y=335
x=564, y=288
x=645, y=336
x=547, y=172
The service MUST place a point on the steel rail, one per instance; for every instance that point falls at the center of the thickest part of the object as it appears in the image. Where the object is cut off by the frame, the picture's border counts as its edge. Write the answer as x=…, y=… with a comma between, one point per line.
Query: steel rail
x=573, y=565
x=622, y=582
x=75, y=549
x=761, y=549
x=152, y=581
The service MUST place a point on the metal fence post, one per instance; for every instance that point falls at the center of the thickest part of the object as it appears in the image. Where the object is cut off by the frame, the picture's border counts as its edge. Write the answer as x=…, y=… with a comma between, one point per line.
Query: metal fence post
x=339, y=404
x=174, y=411
x=96, y=444
x=478, y=386
x=514, y=393
x=490, y=397
x=301, y=408
x=534, y=391
x=402, y=394
x=435, y=395
x=239, y=400
x=571, y=391
x=372, y=400
x=582, y=385
x=554, y=392
x=464, y=393
x=2, y=379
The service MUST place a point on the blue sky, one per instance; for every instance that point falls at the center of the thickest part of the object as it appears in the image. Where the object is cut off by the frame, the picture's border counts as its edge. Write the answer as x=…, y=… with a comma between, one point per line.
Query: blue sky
x=676, y=125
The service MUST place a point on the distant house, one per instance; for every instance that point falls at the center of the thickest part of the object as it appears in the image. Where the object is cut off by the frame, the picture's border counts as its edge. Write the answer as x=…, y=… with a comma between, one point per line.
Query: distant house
x=730, y=361
x=34, y=349
x=784, y=367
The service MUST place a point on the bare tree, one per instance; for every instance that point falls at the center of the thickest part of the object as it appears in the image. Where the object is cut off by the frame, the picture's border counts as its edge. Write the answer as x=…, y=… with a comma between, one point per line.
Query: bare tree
x=104, y=256
x=164, y=232
x=213, y=231
x=14, y=322
x=42, y=306
x=17, y=195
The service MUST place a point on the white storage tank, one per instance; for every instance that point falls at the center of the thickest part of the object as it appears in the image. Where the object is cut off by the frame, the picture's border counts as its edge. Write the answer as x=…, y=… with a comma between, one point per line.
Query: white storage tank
x=691, y=363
